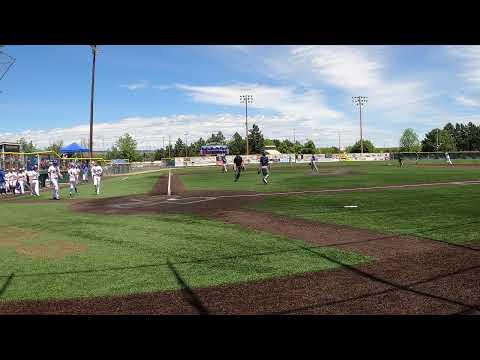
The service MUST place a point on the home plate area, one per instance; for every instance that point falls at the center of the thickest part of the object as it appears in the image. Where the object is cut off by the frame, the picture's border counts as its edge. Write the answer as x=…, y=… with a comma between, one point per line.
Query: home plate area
x=156, y=201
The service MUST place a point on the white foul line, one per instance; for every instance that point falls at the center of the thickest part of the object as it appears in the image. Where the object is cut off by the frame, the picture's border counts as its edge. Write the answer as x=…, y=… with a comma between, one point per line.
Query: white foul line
x=210, y=198
x=169, y=178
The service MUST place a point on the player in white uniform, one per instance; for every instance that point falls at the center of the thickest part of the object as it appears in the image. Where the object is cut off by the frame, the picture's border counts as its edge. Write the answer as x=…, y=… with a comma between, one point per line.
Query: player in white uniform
x=72, y=179
x=33, y=175
x=22, y=179
x=97, y=172
x=447, y=157
x=12, y=181
x=54, y=174
x=77, y=176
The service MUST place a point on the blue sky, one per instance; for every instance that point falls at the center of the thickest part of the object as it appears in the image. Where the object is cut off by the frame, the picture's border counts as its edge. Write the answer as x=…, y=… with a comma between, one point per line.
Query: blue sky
x=154, y=92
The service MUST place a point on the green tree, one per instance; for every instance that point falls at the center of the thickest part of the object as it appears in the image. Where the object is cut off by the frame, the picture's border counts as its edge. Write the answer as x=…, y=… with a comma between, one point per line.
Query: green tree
x=195, y=147
x=255, y=140
x=179, y=149
x=158, y=154
x=309, y=147
x=113, y=153
x=217, y=138
x=55, y=147
x=286, y=147
x=237, y=144
x=268, y=142
x=367, y=147
x=329, y=150
x=446, y=142
x=26, y=146
x=127, y=148
x=409, y=141
x=297, y=147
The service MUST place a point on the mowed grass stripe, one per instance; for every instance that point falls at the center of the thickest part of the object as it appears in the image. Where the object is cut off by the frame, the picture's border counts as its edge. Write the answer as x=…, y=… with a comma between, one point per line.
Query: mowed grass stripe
x=448, y=214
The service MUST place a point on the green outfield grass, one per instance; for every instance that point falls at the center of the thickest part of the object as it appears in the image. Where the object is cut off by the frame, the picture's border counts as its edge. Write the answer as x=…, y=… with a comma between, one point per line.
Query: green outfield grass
x=450, y=214
x=55, y=253
x=299, y=177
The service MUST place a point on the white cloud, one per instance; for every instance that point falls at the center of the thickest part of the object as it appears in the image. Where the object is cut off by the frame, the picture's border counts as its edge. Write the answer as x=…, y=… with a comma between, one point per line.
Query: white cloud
x=136, y=86
x=151, y=132
x=466, y=101
x=470, y=57
x=286, y=101
x=348, y=67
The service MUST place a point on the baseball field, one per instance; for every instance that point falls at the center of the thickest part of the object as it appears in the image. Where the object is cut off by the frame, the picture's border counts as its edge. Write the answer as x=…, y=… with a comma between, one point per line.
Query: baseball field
x=354, y=238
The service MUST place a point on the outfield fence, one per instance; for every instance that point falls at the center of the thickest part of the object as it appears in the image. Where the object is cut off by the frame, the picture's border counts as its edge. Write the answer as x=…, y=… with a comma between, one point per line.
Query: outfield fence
x=437, y=156
x=280, y=158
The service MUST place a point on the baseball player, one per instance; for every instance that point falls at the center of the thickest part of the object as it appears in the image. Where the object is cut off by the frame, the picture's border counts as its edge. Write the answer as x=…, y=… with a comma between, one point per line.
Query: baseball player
x=224, y=162
x=76, y=168
x=72, y=179
x=313, y=165
x=33, y=176
x=22, y=179
x=264, y=167
x=400, y=160
x=12, y=181
x=3, y=185
x=238, y=166
x=447, y=157
x=97, y=172
x=85, y=172
x=54, y=175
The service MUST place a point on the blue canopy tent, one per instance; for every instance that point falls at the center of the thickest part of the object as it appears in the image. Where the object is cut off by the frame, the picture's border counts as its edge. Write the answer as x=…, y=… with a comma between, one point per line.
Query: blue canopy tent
x=73, y=148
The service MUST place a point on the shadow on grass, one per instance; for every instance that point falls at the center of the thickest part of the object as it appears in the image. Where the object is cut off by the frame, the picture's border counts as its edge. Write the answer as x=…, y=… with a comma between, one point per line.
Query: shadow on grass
x=191, y=297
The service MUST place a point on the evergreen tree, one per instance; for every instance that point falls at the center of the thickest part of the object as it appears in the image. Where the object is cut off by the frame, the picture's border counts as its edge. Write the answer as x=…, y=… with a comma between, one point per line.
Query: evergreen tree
x=217, y=138
x=236, y=145
x=446, y=142
x=179, y=149
x=255, y=140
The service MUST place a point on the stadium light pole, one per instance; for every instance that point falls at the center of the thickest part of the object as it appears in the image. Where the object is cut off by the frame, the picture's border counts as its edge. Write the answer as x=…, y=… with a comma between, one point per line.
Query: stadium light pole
x=186, y=144
x=247, y=99
x=94, y=53
x=169, y=145
x=360, y=101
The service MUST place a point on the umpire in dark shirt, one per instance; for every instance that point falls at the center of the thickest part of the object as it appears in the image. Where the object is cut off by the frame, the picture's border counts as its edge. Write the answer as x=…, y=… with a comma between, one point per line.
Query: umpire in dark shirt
x=238, y=161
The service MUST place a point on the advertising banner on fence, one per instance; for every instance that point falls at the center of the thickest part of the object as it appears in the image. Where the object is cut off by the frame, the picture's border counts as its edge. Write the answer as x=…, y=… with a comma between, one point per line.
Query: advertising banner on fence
x=281, y=158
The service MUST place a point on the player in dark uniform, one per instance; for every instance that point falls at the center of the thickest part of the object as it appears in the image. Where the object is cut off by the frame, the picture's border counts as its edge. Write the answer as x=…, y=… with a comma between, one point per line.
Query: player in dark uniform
x=238, y=162
x=313, y=165
x=264, y=167
x=400, y=160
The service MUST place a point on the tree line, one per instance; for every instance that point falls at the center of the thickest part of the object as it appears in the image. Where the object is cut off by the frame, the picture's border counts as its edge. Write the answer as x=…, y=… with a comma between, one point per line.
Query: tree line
x=458, y=137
